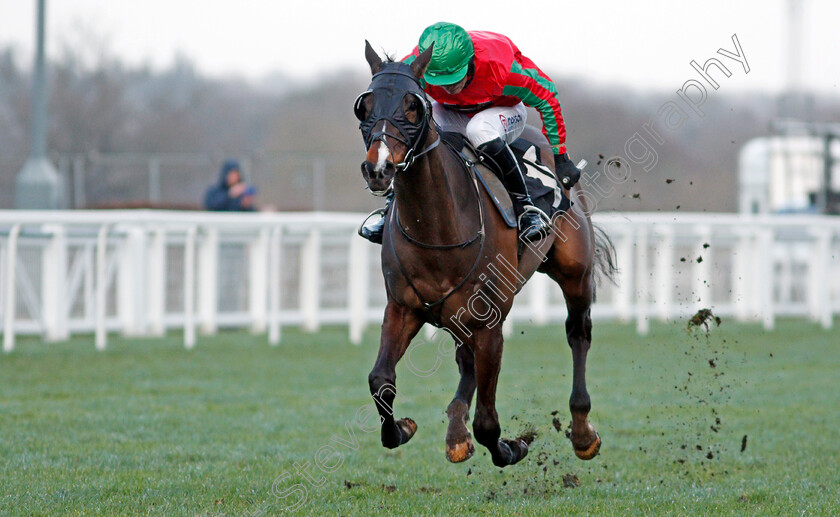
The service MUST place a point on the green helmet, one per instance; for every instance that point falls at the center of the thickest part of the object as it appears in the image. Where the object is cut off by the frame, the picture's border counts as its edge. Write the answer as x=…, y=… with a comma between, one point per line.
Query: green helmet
x=451, y=55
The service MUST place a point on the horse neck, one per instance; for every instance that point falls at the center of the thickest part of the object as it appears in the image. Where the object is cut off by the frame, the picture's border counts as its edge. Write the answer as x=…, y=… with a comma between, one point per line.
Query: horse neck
x=435, y=198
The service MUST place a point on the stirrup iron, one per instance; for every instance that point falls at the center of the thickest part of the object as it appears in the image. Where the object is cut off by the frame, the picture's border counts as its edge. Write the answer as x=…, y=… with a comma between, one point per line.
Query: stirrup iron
x=532, y=208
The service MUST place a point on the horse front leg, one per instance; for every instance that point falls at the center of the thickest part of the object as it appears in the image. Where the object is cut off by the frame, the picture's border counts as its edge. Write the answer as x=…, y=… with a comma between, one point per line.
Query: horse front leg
x=487, y=347
x=400, y=325
x=459, y=445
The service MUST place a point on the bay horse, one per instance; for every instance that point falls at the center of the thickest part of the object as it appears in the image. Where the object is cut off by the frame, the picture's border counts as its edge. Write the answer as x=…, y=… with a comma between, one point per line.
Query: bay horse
x=447, y=256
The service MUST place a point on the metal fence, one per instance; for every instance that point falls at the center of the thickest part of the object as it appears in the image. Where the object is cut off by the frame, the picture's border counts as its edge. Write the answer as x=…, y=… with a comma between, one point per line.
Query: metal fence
x=287, y=181
x=141, y=272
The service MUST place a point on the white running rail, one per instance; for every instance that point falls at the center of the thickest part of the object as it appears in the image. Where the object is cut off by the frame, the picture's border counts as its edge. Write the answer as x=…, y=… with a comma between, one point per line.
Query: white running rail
x=143, y=272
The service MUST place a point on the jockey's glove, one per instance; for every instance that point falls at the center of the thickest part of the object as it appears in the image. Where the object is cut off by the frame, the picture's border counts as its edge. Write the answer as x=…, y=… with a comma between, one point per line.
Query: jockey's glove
x=566, y=171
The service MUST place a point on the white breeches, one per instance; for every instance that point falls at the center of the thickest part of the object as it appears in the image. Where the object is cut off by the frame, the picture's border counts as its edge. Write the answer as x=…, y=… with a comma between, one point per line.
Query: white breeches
x=506, y=122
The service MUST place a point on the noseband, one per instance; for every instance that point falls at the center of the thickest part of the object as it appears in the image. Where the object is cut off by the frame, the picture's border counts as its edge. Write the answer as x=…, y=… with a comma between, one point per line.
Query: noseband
x=389, y=87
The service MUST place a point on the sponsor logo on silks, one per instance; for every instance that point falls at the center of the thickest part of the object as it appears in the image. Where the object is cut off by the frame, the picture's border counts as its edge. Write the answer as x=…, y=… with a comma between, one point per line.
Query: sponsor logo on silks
x=509, y=122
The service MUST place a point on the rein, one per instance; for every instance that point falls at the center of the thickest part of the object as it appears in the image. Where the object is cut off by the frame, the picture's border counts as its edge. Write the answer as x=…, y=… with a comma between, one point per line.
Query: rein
x=410, y=156
x=480, y=235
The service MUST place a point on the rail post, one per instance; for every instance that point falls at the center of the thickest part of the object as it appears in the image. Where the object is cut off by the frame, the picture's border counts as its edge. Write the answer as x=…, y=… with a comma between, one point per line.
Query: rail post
x=189, y=288
x=538, y=299
x=100, y=333
x=624, y=257
x=819, y=287
x=310, y=288
x=642, y=280
x=743, y=274
x=258, y=251
x=131, y=285
x=54, y=283
x=275, y=286
x=765, y=287
x=9, y=310
x=702, y=268
x=358, y=285
x=208, y=279
x=156, y=299
x=664, y=267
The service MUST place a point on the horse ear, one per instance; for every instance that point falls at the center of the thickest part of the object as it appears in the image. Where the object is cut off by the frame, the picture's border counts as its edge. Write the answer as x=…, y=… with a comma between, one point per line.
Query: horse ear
x=373, y=59
x=418, y=66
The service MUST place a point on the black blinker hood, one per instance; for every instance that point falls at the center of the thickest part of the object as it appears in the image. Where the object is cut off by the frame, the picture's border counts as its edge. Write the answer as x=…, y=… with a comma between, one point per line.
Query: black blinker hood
x=389, y=87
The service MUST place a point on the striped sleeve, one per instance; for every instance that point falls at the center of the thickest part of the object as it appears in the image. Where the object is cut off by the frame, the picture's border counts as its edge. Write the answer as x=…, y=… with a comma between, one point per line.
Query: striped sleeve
x=535, y=89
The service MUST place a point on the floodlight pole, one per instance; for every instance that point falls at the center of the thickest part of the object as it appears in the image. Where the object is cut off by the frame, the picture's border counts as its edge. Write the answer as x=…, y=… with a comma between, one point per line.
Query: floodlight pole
x=38, y=144
x=38, y=185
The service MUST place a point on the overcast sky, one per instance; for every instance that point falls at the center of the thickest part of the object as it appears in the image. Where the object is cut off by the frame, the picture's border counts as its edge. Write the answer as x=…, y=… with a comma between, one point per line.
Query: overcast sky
x=628, y=43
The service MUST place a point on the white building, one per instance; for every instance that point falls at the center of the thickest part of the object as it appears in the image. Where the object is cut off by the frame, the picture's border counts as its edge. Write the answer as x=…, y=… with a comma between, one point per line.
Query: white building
x=784, y=173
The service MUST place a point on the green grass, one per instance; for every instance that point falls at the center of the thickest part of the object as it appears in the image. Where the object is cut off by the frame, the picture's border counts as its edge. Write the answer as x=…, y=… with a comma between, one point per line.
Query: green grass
x=148, y=428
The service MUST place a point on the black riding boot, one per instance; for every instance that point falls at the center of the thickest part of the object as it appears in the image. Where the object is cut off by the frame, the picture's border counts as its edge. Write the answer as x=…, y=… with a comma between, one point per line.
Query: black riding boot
x=533, y=223
x=373, y=231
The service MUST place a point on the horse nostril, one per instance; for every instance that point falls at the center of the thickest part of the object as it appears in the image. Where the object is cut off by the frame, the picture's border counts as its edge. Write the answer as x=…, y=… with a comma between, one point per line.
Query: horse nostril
x=373, y=171
x=367, y=169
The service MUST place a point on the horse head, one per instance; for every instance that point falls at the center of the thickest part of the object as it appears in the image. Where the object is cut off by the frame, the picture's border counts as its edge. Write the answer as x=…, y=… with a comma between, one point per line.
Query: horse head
x=394, y=117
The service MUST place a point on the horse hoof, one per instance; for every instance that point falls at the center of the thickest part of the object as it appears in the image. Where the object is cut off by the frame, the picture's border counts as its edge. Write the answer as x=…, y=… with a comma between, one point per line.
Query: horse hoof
x=459, y=452
x=591, y=451
x=407, y=428
x=512, y=452
x=459, y=445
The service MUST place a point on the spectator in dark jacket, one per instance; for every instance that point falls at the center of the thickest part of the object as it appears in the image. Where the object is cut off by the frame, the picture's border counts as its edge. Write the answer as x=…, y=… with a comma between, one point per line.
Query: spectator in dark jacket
x=231, y=193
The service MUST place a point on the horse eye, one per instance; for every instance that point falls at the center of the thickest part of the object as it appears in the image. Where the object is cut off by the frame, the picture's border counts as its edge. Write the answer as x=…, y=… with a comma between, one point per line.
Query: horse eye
x=413, y=108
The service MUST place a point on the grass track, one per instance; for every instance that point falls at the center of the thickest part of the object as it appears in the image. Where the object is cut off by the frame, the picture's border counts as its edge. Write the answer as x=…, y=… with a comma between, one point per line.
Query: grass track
x=148, y=428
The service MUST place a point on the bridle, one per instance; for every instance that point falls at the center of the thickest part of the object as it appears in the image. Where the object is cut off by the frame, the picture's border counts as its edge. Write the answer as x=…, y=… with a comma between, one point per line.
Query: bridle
x=390, y=86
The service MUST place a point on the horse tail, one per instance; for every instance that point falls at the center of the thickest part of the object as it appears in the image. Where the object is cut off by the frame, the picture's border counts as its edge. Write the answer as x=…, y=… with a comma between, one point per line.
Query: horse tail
x=606, y=265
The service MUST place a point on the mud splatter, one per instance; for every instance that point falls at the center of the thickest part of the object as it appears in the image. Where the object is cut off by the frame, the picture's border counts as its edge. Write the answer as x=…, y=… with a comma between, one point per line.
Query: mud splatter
x=571, y=481
x=529, y=436
x=702, y=318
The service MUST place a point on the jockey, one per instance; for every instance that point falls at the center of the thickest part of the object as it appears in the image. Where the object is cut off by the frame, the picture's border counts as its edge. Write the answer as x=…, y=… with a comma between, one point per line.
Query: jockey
x=480, y=83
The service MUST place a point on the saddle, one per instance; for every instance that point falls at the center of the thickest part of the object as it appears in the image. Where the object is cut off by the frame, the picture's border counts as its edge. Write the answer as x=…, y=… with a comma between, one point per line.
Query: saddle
x=545, y=189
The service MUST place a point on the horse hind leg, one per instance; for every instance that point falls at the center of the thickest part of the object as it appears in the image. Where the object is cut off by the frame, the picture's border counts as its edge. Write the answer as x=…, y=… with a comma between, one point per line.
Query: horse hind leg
x=459, y=444
x=585, y=439
x=567, y=265
x=399, y=327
